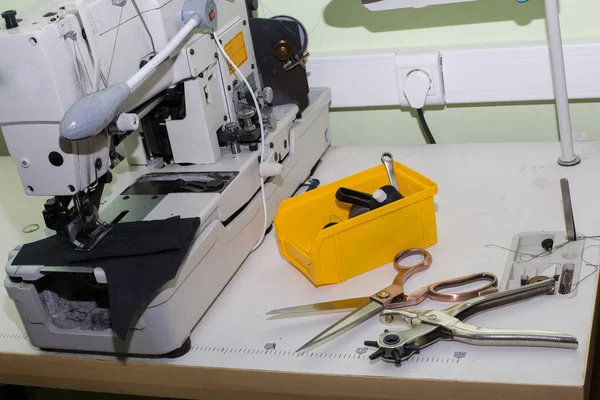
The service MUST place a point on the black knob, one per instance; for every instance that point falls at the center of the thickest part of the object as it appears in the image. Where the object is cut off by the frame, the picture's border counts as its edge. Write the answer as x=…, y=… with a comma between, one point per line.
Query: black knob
x=252, y=5
x=51, y=205
x=10, y=18
x=548, y=244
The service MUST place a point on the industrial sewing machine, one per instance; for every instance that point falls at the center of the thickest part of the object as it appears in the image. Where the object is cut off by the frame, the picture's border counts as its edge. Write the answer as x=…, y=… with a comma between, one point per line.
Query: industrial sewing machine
x=185, y=140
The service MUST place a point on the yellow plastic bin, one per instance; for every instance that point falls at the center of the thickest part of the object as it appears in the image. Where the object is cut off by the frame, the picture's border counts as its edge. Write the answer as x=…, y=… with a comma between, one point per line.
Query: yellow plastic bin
x=355, y=246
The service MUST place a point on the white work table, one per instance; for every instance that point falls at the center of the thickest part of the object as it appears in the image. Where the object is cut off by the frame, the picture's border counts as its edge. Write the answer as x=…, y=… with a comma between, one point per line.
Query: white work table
x=488, y=193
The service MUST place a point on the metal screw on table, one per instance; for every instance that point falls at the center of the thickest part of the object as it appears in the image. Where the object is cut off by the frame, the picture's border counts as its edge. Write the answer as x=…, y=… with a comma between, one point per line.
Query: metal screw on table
x=432, y=317
x=389, y=319
x=383, y=295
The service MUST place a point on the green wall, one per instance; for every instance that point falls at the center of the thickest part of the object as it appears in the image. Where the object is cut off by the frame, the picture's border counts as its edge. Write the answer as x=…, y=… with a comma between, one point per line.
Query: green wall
x=346, y=26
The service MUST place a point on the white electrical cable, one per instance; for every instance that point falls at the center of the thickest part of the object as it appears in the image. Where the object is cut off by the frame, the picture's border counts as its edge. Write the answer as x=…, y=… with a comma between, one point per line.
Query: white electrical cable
x=162, y=55
x=262, y=136
x=100, y=108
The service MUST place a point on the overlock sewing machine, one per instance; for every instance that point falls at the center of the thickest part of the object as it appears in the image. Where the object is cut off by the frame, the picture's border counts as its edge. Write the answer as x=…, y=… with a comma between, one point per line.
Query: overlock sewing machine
x=154, y=111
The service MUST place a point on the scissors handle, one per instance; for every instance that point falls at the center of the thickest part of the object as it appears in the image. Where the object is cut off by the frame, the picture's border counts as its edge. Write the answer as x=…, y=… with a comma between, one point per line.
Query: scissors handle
x=491, y=287
x=390, y=293
x=433, y=291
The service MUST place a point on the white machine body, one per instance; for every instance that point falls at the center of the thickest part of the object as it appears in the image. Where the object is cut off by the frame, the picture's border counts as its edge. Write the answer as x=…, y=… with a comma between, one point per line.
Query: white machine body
x=49, y=65
x=216, y=254
x=51, y=60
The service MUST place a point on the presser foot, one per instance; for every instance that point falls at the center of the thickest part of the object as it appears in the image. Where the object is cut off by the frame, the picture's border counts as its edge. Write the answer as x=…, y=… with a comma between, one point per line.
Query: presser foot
x=94, y=238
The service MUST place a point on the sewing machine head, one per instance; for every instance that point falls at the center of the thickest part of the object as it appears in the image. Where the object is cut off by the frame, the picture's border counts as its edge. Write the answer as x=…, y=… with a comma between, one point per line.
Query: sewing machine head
x=191, y=107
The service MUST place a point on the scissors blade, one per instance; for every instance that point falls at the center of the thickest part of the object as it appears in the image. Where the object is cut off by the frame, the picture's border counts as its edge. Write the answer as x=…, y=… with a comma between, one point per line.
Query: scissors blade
x=325, y=307
x=348, y=322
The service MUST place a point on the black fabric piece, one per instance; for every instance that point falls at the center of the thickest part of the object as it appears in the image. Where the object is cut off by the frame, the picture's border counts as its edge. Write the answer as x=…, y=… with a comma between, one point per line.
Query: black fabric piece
x=137, y=257
x=138, y=238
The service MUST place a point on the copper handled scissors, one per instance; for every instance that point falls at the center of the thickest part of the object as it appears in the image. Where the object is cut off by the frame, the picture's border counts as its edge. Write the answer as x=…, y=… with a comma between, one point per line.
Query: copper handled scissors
x=391, y=297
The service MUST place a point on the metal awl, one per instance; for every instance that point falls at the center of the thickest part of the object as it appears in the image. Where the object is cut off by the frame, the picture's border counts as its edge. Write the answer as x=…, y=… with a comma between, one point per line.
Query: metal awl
x=568, y=209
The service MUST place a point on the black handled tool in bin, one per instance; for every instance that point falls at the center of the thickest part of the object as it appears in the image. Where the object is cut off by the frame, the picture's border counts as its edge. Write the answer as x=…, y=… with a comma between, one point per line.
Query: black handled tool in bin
x=364, y=202
x=382, y=197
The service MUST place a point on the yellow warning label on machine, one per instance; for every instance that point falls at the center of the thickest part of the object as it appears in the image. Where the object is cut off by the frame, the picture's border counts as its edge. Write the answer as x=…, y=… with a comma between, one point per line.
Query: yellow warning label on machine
x=236, y=50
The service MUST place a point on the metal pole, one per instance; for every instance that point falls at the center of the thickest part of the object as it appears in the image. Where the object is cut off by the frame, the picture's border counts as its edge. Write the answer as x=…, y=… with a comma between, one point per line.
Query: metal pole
x=559, y=80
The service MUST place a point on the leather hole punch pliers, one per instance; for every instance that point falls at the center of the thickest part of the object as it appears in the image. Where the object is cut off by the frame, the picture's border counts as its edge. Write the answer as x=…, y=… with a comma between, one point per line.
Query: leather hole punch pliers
x=431, y=326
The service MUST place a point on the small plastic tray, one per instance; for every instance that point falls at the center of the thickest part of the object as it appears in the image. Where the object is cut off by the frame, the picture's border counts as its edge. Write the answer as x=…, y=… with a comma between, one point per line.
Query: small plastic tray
x=563, y=264
x=354, y=246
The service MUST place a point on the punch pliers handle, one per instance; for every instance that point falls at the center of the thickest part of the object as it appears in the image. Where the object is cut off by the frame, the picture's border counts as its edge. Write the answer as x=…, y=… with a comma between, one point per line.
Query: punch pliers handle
x=431, y=326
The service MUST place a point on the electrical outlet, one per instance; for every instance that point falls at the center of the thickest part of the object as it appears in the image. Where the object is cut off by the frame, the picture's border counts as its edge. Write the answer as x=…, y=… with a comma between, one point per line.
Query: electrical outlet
x=431, y=64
